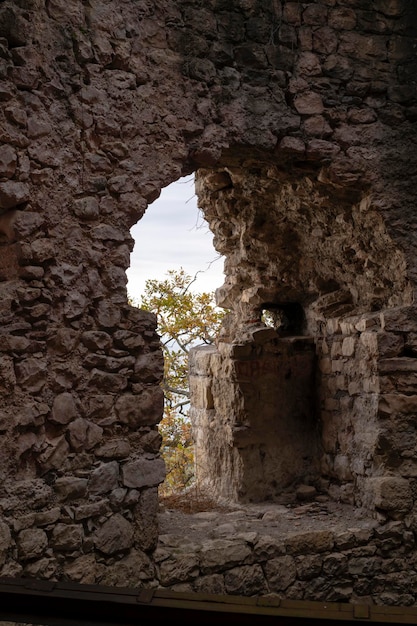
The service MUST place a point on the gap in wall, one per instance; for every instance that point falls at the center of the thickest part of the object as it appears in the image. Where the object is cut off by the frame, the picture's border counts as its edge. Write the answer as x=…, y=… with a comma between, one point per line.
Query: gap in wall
x=173, y=234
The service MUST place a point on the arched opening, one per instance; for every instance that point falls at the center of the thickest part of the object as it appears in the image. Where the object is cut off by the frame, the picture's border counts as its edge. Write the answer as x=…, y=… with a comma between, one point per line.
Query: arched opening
x=174, y=272
x=173, y=234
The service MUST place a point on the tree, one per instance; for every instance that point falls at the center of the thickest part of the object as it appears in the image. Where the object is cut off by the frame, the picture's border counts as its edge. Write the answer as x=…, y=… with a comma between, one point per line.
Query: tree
x=185, y=319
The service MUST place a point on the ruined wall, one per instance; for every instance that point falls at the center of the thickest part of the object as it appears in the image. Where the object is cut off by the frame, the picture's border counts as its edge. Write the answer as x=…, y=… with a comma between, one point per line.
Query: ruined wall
x=254, y=417
x=310, y=232
x=308, y=106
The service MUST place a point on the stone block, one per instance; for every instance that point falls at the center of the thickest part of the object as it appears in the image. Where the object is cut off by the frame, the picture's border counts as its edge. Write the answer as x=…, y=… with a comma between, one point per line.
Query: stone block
x=67, y=537
x=223, y=553
x=324, y=40
x=315, y=15
x=144, y=472
x=397, y=365
x=110, y=383
x=96, y=340
x=64, y=409
x=247, y=580
x=8, y=161
x=342, y=18
x=308, y=566
x=69, y=488
x=116, y=535
x=83, y=434
x=104, y=478
x=12, y=194
x=389, y=344
x=400, y=319
x=178, y=569
x=309, y=542
x=31, y=543
x=31, y=374
x=292, y=13
x=266, y=547
x=292, y=146
x=309, y=103
x=390, y=493
x=280, y=573
x=395, y=403
x=146, y=408
x=308, y=64
x=348, y=346
x=114, y=449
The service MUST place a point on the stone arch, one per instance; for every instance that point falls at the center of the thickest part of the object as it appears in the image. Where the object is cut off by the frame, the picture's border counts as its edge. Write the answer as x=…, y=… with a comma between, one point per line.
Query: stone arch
x=102, y=105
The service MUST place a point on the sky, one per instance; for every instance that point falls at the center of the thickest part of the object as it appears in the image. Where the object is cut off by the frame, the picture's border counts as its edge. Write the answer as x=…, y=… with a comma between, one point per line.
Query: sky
x=173, y=234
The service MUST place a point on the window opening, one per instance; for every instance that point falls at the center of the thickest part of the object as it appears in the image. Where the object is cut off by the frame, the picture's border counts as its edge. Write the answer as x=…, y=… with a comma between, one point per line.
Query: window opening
x=174, y=273
x=173, y=234
x=288, y=318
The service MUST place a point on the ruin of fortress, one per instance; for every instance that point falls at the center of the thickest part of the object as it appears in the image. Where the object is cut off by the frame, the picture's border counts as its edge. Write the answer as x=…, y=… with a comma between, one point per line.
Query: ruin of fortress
x=299, y=121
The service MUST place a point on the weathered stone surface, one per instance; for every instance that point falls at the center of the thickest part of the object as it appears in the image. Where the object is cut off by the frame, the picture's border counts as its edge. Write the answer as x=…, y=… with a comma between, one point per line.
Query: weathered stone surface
x=84, y=434
x=137, y=410
x=8, y=162
x=116, y=535
x=303, y=115
x=280, y=572
x=32, y=543
x=248, y=580
x=71, y=488
x=313, y=542
x=96, y=340
x=115, y=449
x=5, y=541
x=146, y=472
x=223, y=553
x=54, y=454
x=177, y=570
x=67, y=537
x=12, y=194
x=104, y=478
x=391, y=494
x=31, y=373
x=87, y=208
x=135, y=570
x=64, y=409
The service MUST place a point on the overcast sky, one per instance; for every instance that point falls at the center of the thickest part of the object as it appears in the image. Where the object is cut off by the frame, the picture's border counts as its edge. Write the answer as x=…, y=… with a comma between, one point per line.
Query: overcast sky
x=172, y=234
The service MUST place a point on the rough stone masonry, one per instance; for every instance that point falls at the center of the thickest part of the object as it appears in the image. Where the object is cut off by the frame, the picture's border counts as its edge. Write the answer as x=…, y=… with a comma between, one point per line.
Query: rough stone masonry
x=299, y=119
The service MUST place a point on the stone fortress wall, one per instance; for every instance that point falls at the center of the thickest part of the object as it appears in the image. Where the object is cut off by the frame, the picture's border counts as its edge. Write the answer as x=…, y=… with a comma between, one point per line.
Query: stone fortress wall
x=299, y=120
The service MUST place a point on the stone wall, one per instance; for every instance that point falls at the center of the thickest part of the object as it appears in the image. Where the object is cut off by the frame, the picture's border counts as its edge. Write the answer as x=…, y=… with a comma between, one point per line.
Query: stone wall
x=256, y=429
x=352, y=562
x=299, y=119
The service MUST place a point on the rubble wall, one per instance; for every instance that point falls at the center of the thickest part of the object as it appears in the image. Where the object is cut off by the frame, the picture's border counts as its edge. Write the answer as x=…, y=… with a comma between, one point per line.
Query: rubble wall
x=102, y=105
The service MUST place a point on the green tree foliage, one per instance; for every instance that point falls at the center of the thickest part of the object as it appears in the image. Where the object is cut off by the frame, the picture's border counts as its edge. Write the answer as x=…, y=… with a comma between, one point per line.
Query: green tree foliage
x=185, y=319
